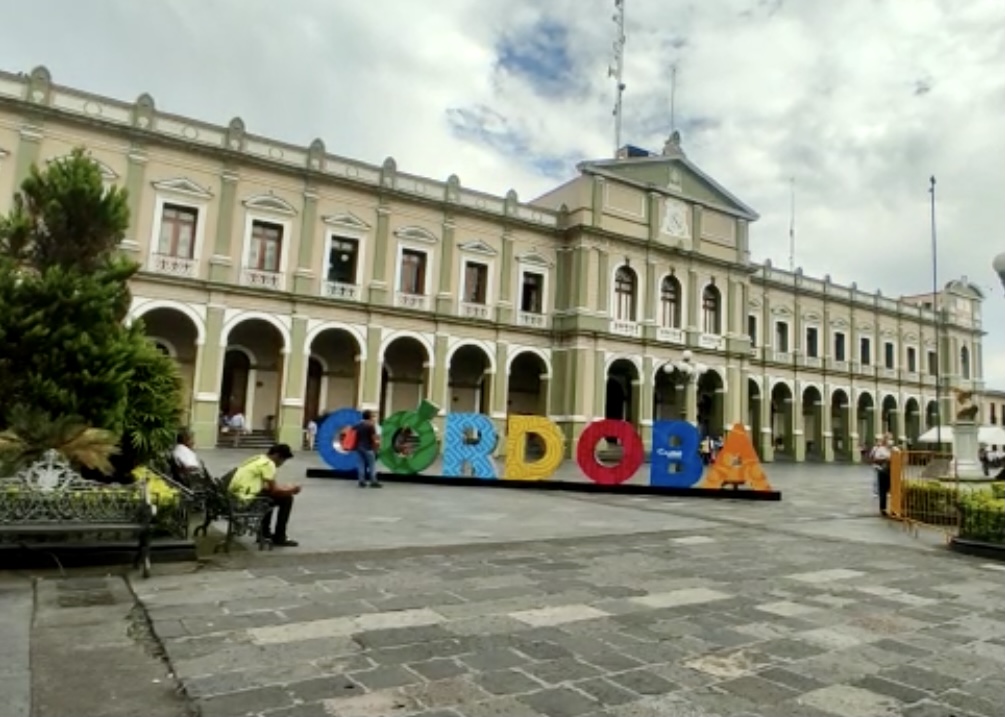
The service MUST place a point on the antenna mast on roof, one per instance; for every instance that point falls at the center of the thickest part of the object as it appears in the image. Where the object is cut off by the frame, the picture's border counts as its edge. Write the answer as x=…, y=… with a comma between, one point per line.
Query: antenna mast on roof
x=792, y=224
x=617, y=70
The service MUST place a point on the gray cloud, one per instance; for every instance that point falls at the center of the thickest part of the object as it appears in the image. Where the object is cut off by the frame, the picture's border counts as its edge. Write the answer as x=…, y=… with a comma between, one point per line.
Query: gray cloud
x=861, y=101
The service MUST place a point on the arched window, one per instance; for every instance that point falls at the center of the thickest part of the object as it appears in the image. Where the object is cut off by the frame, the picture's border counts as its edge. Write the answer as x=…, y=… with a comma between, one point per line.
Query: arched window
x=711, y=305
x=624, y=294
x=965, y=362
x=670, y=302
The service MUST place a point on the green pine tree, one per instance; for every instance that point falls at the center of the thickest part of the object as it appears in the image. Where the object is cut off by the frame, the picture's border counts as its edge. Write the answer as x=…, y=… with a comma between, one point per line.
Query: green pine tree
x=65, y=352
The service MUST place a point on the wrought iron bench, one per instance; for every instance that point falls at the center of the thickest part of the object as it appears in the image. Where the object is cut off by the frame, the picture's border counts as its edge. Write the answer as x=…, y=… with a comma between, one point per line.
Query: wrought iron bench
x=51, y=500
x=244, y=517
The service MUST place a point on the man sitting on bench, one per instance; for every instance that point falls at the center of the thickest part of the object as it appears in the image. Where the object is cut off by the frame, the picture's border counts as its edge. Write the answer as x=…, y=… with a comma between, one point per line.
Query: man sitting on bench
x=257, y=477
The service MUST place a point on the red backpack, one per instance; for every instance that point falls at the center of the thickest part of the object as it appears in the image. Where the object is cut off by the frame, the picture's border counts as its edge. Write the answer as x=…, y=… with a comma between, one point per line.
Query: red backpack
x=348, y=441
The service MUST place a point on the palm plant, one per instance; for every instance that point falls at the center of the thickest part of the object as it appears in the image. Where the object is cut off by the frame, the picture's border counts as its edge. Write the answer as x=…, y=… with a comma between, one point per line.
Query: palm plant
x=31, y=432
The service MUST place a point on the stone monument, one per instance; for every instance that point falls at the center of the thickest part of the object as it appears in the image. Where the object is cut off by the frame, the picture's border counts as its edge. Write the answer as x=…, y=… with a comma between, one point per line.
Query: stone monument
x=966, y=445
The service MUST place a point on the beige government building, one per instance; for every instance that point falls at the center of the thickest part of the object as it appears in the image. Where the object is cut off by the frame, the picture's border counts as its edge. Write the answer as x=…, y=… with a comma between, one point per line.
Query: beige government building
x=287, y=281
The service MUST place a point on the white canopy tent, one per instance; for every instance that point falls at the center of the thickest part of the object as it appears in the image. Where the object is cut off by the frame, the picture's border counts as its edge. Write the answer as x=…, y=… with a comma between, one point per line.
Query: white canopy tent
x=988, y=435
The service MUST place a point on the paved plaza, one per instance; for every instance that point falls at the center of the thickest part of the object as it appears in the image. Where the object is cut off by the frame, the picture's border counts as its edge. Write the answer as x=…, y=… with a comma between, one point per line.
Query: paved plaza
x=428, y=600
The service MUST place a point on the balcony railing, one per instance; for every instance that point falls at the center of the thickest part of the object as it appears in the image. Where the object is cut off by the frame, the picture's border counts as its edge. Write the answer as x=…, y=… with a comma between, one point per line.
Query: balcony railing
x=338, y=290
x=837, y=365
x=670, y=335
x=626, y=328
x=173, y=265
x=712, y=342
x=418, y=302
x=783, y=357
x=471, y=310
x=531, y=319
x=262, y=279
x=890, y=373
x=812, y=361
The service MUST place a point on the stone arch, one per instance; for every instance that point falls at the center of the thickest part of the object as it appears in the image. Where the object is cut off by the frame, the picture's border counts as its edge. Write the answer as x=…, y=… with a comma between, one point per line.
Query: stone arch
x=484, y=346
x=912, y=419
x=244, y=316
x=169, y=347
x=356, y=331
x=540, y=353
x=812, y=407
x=636, y=361
x=423, y=339
x=142, y=307
x=782, y=412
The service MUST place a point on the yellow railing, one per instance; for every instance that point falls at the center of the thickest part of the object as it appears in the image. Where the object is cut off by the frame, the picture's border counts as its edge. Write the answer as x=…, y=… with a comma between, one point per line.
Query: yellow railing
x=924, y=491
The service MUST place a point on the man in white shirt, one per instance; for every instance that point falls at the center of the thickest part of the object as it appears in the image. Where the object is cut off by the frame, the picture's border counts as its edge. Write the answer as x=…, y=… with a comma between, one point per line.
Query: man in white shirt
x=184, y=454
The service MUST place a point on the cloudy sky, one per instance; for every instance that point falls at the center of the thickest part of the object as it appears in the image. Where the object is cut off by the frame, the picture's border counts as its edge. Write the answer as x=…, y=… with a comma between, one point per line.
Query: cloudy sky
x=860, y=101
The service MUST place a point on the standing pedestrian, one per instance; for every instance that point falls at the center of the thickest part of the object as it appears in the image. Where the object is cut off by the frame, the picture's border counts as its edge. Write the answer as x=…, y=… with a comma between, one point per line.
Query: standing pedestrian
x=367, y=443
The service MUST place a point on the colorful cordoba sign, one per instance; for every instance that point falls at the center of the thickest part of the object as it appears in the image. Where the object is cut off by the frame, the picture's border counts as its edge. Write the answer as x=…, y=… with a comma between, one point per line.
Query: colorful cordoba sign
x=410, y=446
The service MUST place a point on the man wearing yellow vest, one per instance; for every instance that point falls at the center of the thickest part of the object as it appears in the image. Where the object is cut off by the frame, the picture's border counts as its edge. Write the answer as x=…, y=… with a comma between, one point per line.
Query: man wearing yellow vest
x=256, y=477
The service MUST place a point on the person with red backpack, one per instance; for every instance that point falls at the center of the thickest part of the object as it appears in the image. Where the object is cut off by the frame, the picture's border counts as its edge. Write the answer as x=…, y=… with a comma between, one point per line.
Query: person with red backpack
x=364, y=440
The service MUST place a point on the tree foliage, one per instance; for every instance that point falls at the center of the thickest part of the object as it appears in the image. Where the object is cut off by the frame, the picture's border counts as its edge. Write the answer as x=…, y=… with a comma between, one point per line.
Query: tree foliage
x=65, y=351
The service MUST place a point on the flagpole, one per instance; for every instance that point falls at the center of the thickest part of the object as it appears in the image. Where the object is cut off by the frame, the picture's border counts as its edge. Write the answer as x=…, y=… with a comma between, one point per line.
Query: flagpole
x=938, y=315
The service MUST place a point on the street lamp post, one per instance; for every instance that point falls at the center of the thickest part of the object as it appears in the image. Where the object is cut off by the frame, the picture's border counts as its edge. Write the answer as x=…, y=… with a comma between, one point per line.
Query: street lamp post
x=936, y=305
x=691, y=370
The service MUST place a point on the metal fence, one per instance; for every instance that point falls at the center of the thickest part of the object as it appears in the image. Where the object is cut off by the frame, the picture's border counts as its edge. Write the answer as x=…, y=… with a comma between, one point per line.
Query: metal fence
x=926, y=492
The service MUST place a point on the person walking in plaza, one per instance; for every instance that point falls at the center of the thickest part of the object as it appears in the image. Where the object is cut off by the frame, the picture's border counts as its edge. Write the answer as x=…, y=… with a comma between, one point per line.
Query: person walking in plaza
x=880, y=456
x=256, y=477
x=366, y=446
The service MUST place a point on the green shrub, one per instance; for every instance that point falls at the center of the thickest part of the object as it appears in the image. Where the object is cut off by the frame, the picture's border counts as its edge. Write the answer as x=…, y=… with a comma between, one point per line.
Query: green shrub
x=982, y=515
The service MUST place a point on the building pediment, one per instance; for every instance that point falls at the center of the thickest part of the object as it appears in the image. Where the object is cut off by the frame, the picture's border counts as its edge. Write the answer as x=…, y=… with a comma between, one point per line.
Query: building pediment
x=533, y=258
x=183, y=186
x=478, y=247
x=107, y=173
x=783, y=311
x=675, y=176
x=416, y=234
x=270, y=203
x=347, y=222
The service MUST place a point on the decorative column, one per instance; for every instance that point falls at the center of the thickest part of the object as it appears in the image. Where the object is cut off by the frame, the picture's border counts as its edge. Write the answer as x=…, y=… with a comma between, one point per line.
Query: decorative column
x=599, y=385
x=438, y=390
x=135, y=174
x=303, y=277
x=294, y=383
x=826, y=432
x=646, y=403
x=580, y=277
x=650, y=297
x=798, y=441
x=221, y=264
x=500, y=396
x=207, y=379
x=506, y=308
x=766, y=439
x=381, y=239
x=28, y=150
x=691, y=399
x=445, y=299
x=693, y=305
x=603, y=280
x=371, y=371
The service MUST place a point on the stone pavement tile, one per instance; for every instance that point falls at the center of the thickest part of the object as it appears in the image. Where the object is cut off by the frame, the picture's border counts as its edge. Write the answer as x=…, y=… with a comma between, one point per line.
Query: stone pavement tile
x=454, y=692
x=438, y=669
x=419, y=652
x=730, y=663
x=498, y=707
x=961, y=700
x=645, y=682
x=921, y=678
x=537, y=649
x=417, y=600
x=506, y=682
x=16, y=691
x=560, y=702
x=323, y=688
x=237, y=704
x=758, y=690
x=373, y=704
x=790, y=679
x=238, y=680
x=493, y=659
x=988, y=688
x=605, y=692
x=903, y=693
x=343, y=664
x=486, y=625
x=557, y=615
x=717, y=701
x=851, y=701
x=565, y=669
x=786, y=608
x=687, y=596
x=684, y=676
x=932, y=708
x=610, y=660
x=401, y=636
x=829, y=638
x=231, y=623
x=321, y=611
x=961, y=664
x=825, y=576
x=385, y=676
x=674, y=705
x=790, y=708
x=790, y=649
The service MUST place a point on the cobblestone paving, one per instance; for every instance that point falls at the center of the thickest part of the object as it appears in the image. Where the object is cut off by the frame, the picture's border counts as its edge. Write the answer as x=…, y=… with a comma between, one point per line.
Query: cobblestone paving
x=729, y=621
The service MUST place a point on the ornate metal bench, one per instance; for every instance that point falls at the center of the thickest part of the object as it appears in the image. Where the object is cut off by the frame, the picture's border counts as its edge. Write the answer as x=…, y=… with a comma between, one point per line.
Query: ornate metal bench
x=50, y=500
x=244, y=517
